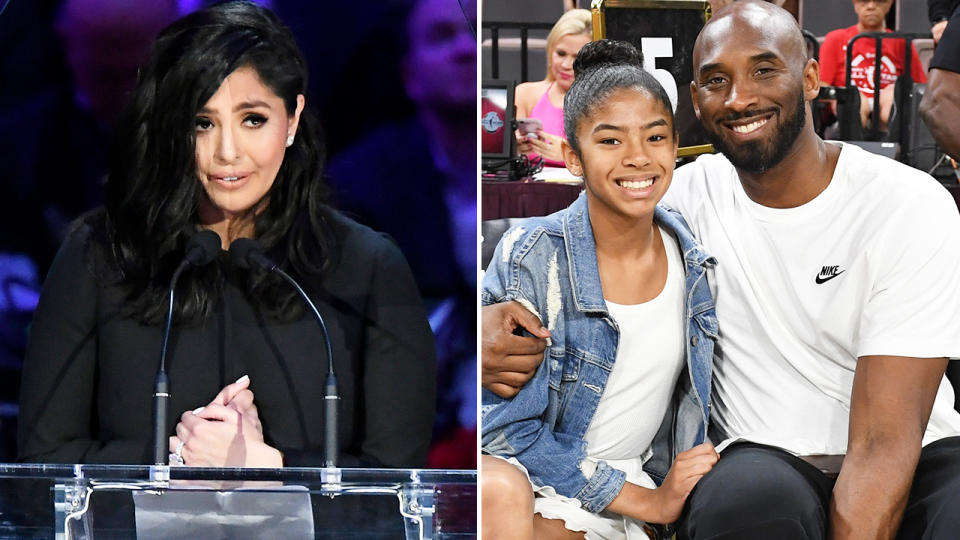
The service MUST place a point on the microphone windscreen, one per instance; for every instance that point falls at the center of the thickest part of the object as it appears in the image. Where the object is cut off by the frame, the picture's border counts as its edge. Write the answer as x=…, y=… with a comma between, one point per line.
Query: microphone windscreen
x=246, y=253
x=203, y=247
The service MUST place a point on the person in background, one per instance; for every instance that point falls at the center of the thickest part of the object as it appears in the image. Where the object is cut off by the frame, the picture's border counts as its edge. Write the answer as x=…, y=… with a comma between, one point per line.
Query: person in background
x=871, y=17
x=939, y=13
x=53, y=143
x=416, y=180
x=543, y=100
x=940, y=108
x=216, y=137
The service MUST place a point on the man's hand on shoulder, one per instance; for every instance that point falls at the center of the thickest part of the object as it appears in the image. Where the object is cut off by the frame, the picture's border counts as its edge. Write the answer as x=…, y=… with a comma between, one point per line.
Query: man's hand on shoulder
x=508, y=360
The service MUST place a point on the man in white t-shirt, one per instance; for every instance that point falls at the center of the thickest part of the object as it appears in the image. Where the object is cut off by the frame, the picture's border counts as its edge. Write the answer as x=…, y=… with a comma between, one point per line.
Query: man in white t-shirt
x=837, y=305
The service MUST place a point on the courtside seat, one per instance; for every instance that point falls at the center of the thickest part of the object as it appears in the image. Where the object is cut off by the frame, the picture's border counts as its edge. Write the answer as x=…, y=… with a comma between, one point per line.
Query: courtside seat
x=848, y=112
x=924, y=48
x=490, y=232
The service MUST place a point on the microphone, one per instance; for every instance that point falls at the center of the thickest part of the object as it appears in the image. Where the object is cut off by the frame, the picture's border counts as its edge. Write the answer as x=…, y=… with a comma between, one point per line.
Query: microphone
x=202, y=249
x=246, y=253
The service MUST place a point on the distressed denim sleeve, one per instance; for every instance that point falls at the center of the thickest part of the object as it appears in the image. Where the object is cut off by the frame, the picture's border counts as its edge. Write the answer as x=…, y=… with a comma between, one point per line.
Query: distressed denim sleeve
x=516, y=427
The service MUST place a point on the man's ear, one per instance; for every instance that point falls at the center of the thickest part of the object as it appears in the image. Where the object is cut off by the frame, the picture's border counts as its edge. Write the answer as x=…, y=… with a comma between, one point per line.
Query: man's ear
x=571, y=158
x=811, y=80
x=693, y=99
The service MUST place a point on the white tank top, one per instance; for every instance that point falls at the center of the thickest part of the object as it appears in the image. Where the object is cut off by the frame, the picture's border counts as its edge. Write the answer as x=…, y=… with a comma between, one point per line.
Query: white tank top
x=650, y=355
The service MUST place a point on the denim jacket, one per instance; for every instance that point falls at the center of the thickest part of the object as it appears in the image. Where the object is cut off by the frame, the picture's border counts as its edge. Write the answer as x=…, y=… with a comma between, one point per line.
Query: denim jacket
x=549, y=265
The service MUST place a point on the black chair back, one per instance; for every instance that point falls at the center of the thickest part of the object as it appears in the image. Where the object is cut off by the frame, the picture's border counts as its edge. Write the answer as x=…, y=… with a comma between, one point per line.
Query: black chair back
x=490, y=232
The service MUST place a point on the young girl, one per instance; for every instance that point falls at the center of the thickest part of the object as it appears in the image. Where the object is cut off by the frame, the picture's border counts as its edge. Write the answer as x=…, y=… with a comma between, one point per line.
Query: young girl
x=620, y=284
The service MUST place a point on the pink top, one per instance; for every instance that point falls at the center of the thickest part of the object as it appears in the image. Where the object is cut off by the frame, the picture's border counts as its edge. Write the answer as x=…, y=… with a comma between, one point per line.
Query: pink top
x=552, y=119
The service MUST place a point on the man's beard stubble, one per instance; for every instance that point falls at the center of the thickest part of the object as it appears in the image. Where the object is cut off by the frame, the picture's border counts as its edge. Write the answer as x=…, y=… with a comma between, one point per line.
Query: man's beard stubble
x=759, y=157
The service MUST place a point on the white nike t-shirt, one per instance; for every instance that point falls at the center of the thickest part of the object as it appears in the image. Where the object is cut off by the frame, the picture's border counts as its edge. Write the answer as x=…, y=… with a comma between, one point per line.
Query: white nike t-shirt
x=869, y=267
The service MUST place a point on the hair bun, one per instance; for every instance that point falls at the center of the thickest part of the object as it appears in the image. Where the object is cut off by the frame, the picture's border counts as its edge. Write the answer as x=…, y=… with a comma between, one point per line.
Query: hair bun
x=606, y=51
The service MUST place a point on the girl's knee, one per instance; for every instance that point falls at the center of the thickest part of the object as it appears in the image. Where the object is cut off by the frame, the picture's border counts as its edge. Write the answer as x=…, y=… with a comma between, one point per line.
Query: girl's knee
x=505, y=486
x=507, y=502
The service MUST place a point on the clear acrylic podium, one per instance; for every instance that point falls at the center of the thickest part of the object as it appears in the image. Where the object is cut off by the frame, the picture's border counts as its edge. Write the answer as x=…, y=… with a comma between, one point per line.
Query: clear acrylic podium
x=96, y=501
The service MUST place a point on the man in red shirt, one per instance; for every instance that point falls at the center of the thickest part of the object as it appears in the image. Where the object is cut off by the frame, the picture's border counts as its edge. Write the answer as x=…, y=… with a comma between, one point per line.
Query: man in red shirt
x=871, y=17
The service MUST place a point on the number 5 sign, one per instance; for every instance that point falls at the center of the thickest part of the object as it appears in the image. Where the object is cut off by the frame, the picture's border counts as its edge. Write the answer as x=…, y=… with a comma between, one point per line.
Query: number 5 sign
x=665, y=31
x=654, y=48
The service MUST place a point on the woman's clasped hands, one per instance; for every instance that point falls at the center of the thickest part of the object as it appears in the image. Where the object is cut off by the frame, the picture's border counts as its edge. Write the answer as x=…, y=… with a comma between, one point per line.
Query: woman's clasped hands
x=224, y=433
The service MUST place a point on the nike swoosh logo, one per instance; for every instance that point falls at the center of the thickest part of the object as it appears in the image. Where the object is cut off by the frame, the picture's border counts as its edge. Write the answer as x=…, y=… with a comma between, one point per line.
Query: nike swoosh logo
x=821, y=280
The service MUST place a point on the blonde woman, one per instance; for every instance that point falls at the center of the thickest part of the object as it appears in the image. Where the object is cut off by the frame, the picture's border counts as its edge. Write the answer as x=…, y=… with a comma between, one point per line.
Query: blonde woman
x=543, y=100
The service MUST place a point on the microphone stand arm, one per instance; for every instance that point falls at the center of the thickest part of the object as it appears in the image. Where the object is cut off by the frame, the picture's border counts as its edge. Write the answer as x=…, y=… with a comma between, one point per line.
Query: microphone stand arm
x=331, y=395
x=161, y=384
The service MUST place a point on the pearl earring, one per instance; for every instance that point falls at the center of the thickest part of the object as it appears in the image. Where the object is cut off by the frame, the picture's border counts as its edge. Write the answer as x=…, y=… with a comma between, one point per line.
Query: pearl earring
x=289, y=140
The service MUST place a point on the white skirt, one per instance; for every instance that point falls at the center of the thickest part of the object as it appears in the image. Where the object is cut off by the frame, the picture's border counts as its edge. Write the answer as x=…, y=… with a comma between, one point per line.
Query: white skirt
x=603, y=526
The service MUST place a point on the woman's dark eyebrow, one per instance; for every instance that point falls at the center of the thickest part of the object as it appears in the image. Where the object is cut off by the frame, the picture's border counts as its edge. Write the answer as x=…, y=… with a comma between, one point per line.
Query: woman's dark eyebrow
x=251, y=105
x=241, y=106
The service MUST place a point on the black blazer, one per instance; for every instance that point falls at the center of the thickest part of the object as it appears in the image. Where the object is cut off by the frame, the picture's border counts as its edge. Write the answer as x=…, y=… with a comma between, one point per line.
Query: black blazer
x=88, y=374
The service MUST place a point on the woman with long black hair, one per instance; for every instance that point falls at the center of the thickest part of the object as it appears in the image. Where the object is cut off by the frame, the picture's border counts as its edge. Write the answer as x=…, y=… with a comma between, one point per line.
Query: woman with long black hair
x=216, y=136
